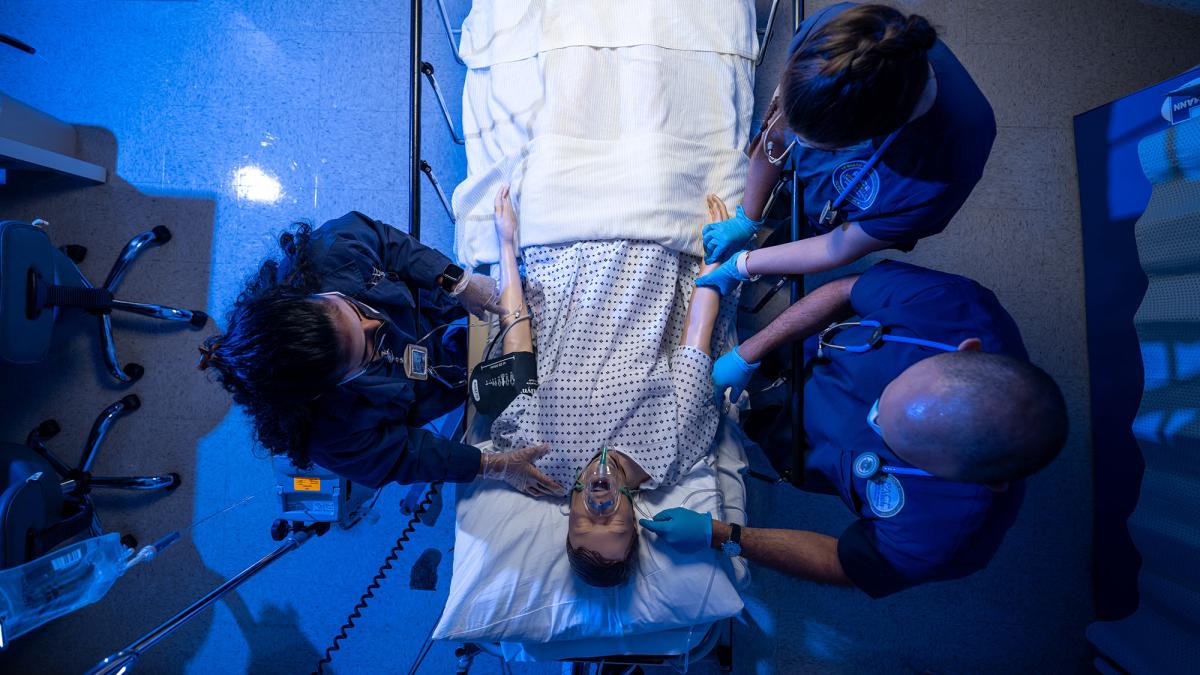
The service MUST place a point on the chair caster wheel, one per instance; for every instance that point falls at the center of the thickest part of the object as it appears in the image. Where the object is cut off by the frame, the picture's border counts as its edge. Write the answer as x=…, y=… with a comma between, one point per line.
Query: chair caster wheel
x=199, y=319
x=131, y=402
x=129, y=541
x=48, y=429
x=75, y=252
x=279, y=529
x=135, y=371
x=161, y=234
x=176, y=481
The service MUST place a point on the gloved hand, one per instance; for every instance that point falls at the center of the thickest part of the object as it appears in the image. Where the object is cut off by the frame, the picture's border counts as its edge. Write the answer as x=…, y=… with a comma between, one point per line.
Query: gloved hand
x=516, y=468
x=478, y=294
x=726, y=277
x=726, y=236
x=684, y=529
x=731, y=372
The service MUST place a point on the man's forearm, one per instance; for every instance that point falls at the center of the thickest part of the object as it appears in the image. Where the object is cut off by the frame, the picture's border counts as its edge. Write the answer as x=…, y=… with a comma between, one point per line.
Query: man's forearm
x=812, y=313
x=801, y=553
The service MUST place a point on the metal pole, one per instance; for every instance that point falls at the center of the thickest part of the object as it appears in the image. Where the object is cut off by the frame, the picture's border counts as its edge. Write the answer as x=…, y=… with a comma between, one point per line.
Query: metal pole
x=414, y=122
x=128, y=657
x=796, y=404
x=450, y=32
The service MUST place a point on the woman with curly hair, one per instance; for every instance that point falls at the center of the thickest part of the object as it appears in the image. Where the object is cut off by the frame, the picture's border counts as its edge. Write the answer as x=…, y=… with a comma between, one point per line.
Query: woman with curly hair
x=347, y=345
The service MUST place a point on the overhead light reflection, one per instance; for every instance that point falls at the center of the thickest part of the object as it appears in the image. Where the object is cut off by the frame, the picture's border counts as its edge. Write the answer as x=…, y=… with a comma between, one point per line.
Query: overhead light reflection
x=254, y=184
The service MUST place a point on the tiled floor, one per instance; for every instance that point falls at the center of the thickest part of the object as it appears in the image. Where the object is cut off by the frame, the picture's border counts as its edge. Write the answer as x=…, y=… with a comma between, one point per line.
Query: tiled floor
x=227, y=120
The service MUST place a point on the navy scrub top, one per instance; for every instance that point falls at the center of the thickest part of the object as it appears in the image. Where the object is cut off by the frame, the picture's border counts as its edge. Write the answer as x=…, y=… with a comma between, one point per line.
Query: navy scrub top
x=945, y=529
x=924, y=177
x=368, y=430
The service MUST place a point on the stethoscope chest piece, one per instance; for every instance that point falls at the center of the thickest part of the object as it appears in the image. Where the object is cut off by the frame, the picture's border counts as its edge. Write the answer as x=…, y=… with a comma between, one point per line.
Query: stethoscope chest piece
x=884, y=492
x=866, y=465
x=829, y=216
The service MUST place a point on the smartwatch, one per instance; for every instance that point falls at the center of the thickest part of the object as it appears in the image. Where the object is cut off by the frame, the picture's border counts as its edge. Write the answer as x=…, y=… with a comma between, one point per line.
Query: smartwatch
x=732, y=547
x=451, y=277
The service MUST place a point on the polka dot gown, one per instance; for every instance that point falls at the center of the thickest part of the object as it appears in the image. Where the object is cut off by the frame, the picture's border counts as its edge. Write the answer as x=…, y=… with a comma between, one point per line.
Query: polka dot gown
x=607, y=320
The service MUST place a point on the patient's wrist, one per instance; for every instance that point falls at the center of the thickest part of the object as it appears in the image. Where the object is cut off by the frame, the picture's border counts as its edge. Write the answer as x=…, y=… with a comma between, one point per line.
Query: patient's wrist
x=511, y=315
x=720, y=534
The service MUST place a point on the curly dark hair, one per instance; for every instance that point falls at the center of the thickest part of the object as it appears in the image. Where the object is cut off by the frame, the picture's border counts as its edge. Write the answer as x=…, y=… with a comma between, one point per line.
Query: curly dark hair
x=280, y=351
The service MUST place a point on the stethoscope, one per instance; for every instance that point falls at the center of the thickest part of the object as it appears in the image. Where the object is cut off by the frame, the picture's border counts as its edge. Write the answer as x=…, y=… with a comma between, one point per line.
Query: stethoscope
x=831, y=214
x=877, y=335
x=868, y=465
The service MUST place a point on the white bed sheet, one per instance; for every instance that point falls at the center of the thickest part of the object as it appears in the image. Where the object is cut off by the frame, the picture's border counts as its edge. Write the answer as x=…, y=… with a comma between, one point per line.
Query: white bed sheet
x=611, y=120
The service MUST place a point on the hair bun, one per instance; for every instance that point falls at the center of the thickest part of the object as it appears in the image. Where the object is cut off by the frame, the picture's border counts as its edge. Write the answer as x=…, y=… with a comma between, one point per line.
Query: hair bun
x=919, y=33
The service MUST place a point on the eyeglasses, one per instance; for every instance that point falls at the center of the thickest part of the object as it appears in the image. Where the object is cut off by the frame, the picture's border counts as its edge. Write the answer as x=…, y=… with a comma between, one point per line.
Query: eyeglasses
x=873, y=419
x=373, y=340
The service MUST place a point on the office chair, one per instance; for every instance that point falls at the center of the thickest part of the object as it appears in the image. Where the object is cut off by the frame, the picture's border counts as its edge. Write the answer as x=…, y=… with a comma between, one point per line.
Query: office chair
x=44, y=502
x=38, y=280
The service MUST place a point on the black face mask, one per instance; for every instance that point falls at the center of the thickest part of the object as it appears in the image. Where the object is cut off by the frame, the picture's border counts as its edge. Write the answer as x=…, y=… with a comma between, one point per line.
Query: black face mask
x=494, y=383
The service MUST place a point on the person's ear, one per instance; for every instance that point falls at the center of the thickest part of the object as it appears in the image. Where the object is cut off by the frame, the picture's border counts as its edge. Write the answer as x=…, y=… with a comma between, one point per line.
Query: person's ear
x=971, y=345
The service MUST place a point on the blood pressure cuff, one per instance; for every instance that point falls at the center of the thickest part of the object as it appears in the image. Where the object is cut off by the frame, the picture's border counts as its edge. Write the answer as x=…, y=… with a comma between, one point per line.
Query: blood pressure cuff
x=496, y=382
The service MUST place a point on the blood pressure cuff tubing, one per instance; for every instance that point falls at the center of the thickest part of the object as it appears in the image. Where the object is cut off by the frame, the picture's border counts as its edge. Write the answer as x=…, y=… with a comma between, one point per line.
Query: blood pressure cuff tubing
x=496, y=382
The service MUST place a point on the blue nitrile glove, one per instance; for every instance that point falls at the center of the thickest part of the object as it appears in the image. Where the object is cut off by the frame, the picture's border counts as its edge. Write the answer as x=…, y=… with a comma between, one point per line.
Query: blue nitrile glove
x=731, y=372
x=726, y=277
x=726, y=236
x=684, y=529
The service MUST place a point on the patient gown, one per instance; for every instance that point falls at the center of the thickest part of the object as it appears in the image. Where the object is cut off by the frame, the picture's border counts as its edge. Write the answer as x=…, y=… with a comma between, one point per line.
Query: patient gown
x=607, y=320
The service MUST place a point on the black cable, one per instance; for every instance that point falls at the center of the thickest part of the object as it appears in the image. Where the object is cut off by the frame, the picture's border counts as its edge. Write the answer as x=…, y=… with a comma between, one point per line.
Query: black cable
x=380, y=575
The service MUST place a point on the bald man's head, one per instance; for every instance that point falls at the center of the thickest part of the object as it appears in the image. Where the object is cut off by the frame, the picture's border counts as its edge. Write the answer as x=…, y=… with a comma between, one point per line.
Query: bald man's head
x=974, y=417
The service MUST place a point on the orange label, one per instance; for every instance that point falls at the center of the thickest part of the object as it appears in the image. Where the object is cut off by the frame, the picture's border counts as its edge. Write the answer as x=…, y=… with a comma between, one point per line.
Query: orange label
x=299, y=483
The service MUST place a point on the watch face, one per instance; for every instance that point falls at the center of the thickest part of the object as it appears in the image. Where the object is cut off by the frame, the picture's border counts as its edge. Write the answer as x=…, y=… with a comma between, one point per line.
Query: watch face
x=451, y=276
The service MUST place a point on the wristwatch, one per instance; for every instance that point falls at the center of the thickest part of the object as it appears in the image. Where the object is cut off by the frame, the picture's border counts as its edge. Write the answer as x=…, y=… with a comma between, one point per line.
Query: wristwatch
x=732, y=547
x=451, y=277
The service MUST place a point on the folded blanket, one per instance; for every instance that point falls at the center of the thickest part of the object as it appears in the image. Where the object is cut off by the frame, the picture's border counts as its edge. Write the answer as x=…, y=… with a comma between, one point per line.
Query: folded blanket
x=611, y=120
x=510, y=30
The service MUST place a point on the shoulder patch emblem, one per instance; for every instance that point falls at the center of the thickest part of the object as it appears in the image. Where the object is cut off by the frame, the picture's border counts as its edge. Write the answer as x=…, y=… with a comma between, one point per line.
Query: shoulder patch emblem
x=863, y=195
x=885, y=494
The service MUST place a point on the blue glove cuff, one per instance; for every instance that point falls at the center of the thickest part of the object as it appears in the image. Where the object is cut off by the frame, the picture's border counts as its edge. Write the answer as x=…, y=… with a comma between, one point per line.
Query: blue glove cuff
x=745, y=366
x=741, y=213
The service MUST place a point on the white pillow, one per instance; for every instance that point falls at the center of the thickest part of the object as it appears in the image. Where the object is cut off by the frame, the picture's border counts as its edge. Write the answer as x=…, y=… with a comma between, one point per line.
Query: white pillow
x=512, y=581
